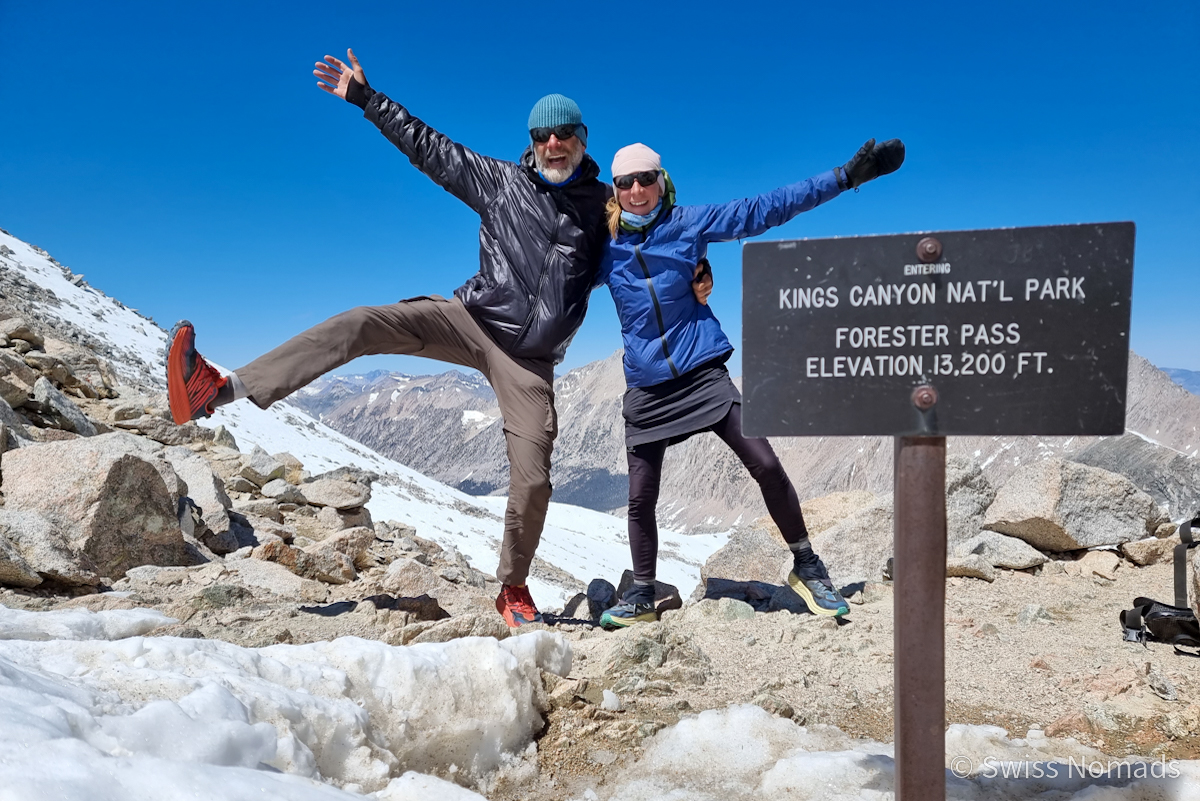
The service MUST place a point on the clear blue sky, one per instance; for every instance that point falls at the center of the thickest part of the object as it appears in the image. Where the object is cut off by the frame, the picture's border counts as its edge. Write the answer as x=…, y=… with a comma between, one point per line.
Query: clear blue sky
x=181, y=157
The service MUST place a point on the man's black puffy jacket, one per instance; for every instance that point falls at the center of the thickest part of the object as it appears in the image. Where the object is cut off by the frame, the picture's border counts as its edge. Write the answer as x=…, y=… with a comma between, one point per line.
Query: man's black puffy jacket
x=539, y=245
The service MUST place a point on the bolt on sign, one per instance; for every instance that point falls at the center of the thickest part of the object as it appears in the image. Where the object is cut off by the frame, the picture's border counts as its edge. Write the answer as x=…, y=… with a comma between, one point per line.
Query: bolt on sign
x=1011, y=331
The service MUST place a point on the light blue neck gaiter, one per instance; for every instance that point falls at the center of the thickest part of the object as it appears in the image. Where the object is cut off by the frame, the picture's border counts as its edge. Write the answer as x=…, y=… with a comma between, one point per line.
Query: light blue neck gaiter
x=639, y=221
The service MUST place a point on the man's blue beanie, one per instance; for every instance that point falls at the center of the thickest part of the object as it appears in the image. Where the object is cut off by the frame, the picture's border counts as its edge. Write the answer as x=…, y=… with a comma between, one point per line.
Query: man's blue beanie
x=553, y=110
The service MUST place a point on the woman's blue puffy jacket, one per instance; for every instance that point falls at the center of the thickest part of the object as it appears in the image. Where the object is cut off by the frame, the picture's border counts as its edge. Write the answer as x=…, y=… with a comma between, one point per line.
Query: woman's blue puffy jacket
x=666, y=331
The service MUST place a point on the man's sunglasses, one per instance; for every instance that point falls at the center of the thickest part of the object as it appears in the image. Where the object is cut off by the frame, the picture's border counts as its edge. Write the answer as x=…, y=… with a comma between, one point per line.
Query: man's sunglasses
x=563, y=132
x=644, y=178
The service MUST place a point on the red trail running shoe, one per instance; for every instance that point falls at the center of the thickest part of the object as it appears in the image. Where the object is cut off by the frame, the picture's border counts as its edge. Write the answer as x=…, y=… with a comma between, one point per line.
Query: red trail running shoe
x=192, y=383
x=515, y=605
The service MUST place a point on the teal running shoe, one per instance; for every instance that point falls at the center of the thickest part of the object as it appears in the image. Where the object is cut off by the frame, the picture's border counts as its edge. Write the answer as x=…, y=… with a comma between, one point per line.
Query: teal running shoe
x=811, y=582
x=635, y=607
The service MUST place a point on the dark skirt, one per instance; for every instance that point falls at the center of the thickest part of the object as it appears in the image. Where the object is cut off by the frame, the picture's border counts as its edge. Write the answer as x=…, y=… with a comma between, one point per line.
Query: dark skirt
x=676, y=409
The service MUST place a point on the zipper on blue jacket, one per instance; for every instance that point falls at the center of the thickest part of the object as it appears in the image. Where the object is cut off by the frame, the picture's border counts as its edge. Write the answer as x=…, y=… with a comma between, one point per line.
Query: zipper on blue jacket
x=637, y=250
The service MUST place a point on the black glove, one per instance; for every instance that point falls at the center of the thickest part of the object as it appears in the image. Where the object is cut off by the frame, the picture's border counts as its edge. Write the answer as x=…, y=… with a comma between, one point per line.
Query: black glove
x=359, y=94
x=870, y=162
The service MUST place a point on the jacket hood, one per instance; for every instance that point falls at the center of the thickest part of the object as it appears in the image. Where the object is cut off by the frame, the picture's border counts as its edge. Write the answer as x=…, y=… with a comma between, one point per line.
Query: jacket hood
x=588, y=168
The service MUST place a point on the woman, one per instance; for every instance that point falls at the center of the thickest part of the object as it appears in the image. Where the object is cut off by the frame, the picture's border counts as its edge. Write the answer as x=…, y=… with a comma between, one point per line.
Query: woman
x=675, y=350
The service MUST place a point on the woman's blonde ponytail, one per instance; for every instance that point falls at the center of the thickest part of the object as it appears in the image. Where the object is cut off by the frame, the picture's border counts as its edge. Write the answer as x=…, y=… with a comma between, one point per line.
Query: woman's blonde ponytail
x=613, y=210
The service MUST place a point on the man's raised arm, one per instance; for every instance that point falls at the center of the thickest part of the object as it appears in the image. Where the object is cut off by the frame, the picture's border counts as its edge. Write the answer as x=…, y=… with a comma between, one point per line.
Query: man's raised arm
x=472, y=178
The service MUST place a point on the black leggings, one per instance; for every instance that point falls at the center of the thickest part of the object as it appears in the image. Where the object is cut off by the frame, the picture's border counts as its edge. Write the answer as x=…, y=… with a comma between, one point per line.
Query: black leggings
x=645, y=474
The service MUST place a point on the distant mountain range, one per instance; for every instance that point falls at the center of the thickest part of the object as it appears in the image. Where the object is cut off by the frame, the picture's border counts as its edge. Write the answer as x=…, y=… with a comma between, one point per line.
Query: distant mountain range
x=1188, y=379
x=448, y=427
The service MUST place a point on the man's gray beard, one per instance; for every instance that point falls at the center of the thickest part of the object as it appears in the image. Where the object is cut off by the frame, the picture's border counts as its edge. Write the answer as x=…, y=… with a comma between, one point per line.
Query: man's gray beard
x=557, y=176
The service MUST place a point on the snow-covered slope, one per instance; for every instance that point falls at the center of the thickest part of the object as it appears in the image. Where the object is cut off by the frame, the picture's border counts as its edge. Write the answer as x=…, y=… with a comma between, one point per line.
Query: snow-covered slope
x=80, y=313
x=583, y=543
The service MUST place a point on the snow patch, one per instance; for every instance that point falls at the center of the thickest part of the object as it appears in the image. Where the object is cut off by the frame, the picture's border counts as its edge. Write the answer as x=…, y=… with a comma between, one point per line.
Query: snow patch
x=153, y=718
x=79, y=624
x=1153, y=441
x=743, y=752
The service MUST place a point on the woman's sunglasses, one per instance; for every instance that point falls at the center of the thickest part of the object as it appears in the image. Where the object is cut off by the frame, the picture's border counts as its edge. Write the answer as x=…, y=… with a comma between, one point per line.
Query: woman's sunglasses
x=643, y=178
x=563, y=132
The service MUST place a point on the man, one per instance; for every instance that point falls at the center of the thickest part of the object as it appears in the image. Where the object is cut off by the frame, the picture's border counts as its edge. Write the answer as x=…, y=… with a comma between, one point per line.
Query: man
x=541, y=236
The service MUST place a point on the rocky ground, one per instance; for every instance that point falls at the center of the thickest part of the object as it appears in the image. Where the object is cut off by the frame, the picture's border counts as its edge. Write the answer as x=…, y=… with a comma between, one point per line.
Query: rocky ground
x=1025, y=652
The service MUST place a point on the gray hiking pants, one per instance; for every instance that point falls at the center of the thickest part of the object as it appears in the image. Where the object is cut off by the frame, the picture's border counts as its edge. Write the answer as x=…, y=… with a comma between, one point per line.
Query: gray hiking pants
x=440, y=329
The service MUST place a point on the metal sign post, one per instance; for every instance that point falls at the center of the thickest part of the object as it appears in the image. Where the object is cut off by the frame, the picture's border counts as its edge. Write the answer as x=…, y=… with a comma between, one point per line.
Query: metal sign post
x=919, y=570
x=1018, y=331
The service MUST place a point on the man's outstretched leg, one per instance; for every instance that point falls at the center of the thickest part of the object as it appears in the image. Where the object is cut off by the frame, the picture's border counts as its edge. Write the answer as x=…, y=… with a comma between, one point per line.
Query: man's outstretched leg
x=432, y=327
x=435, y=328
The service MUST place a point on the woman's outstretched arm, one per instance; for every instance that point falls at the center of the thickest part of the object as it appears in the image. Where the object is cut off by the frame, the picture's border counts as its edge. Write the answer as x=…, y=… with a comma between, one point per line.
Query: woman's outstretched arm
x=754, y=215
